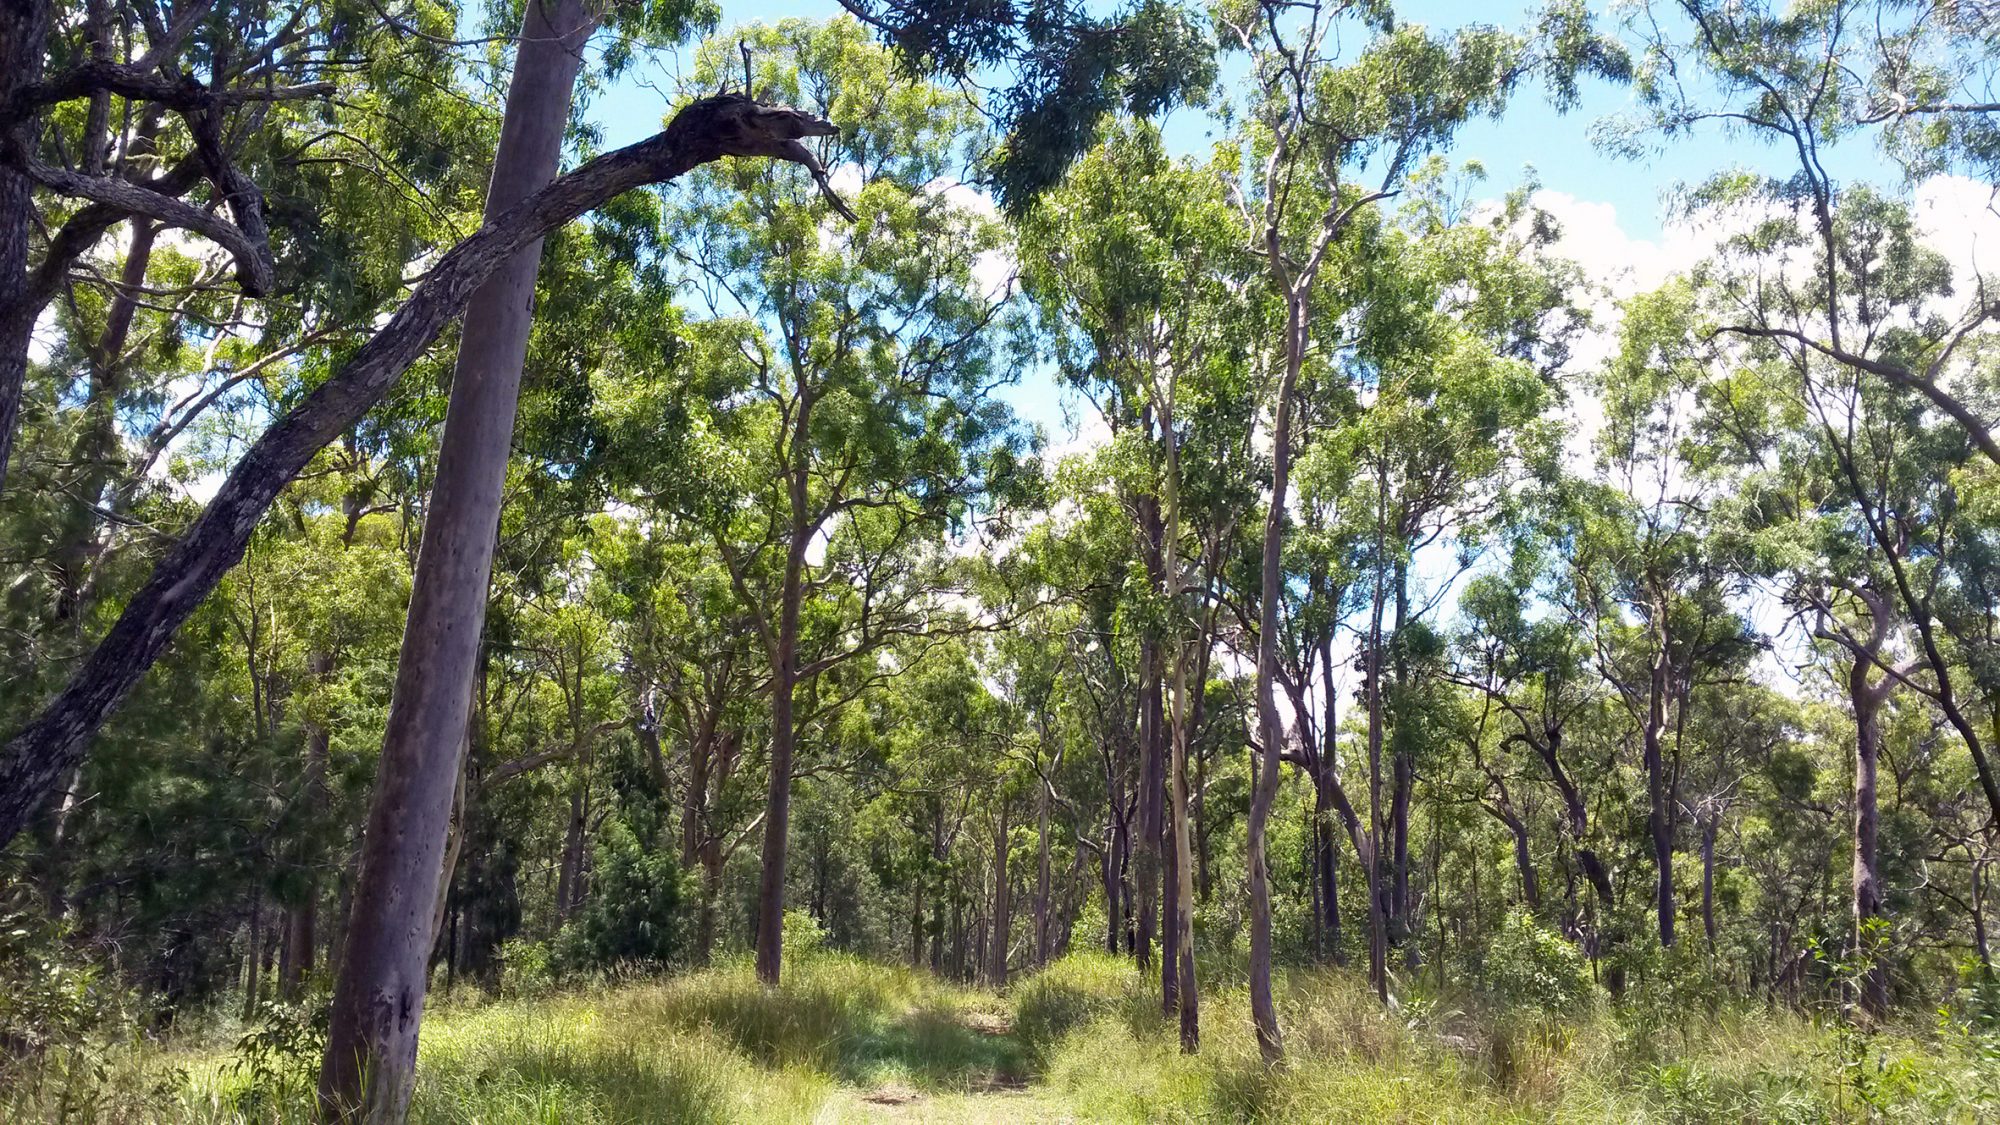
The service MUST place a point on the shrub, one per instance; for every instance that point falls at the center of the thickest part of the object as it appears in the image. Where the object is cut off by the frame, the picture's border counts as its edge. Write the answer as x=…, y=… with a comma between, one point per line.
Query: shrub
x=633, y=914
x=57, y=1016
x=529, y=967
x=1535, y=970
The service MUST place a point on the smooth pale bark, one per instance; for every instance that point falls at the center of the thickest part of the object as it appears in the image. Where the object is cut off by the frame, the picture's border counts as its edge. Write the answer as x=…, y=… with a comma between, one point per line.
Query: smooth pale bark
x=1867, y=694
x=35, y=761
x=1264, y=792
x=371, y=1054
x=1179, y=956
x=1295, y=286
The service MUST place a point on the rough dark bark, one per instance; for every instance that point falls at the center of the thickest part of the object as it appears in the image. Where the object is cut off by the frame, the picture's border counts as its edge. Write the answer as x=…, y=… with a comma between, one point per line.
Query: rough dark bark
x=1146, y=871
x=1710, y=827
x=1659, y=828
x=1003, y=908
x=784, y=656
x=24, y=27
x=34, y=762
x=302, y=917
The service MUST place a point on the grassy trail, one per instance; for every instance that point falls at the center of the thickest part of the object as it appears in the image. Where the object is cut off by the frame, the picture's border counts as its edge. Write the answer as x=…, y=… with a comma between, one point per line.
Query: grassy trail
x=996, y=1094
x=845, y=1040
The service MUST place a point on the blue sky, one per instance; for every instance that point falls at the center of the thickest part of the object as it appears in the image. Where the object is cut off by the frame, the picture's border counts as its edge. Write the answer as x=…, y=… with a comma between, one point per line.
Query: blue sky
x=1617, y=207
x=1557, y=146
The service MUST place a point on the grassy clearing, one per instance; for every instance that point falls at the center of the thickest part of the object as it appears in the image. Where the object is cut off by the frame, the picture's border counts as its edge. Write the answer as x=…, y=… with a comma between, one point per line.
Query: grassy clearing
x=846, y=1040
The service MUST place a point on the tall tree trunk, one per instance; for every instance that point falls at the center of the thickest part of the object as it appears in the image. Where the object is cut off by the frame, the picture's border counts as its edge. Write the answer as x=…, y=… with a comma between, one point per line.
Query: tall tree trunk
x=571, y=870
x=35, y=760
x=378, y=1000
x=1403, y=771
x=253, y=960
x=1264, y=791
x=1043, y=875
x=1378, y=906
x=302, y=917
x=784, y=683
x=1113, y=923
x=1710, y=827
x=1867, y=700
x=1146, y=869
x=24, y=26
x=996, y=973
x=1658, y=825
x=1178, y=961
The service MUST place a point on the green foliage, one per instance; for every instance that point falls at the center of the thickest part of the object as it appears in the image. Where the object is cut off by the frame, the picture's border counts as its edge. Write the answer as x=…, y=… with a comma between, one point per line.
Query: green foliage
x=634, y=916
x=58, y=1013
x=277, y=1058
x=1531, y=968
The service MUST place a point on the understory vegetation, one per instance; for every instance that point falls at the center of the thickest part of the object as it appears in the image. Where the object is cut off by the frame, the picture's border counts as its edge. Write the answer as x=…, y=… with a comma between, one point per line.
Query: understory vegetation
x=847, y=1039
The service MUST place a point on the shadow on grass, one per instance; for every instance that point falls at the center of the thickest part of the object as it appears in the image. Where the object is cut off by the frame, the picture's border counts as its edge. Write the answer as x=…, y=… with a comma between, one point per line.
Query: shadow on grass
x=932, y=1048
x=526, y=1084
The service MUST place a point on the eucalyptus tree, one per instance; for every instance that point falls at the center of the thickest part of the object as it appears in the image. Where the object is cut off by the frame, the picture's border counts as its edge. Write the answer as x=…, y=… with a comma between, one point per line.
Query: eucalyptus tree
x=1134, y=261
x=862, y=420
x=48, y=746
x=692, y=668
x=1534, y=669
x=115, y=113
x=1085, y=556
x=149, y=344
x=370, y=1064
x=1803, y=78
x=1857, y=508
x=1466, y=329
x=1071, y=66
x=1334, y=133
x=1656, y=593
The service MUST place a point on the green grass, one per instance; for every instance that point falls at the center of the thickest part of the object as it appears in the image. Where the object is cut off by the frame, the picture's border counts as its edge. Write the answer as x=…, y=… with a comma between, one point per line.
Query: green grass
x=846, y=1040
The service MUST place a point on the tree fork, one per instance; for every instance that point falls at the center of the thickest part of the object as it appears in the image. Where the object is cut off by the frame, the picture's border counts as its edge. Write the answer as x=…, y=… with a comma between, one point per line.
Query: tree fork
x=34, y=761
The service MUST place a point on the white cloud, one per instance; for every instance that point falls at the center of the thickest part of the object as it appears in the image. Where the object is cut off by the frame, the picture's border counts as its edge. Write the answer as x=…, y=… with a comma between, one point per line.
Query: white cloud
x=1960, y=219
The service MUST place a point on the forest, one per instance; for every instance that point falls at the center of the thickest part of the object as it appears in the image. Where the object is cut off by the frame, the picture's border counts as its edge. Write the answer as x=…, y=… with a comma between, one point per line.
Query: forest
x=616, y=561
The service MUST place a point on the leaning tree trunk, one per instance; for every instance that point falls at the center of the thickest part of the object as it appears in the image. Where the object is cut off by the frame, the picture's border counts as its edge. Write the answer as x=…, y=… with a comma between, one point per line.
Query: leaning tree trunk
x=371, y=1052
x=35, y=761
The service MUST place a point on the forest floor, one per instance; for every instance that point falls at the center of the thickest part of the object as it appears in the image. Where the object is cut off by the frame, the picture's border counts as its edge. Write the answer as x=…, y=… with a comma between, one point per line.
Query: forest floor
x=846, y=1040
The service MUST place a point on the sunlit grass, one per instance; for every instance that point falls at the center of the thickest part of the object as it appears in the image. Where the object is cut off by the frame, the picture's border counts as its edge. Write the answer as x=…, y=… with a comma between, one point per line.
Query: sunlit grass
x=847, y=1040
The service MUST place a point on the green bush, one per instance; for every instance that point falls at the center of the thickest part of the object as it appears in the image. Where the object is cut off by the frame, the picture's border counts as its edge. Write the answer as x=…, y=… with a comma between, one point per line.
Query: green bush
x=57, y=1016
x=1535, y=970
x=633, y=914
